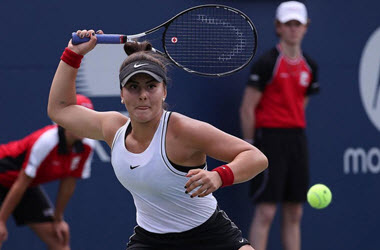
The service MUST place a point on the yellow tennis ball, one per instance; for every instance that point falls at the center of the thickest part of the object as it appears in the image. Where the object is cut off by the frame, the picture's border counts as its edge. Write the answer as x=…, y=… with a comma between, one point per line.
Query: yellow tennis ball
x=319, y=196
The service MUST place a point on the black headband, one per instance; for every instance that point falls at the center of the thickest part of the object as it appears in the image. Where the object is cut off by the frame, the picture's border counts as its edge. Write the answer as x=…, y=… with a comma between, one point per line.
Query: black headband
x=142, y=66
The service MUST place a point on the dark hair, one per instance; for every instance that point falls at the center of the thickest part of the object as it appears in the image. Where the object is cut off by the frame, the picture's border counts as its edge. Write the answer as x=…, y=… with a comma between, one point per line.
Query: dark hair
x=63, y=149
x=137, y=51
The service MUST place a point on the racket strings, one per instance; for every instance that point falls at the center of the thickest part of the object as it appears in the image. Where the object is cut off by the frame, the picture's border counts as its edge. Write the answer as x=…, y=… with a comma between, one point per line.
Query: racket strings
x=210, y=40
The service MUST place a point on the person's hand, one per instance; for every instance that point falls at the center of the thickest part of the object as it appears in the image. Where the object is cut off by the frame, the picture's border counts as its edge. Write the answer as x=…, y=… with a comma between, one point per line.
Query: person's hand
x=3, y=233
x=86, y=47
x=62, y=232
x=207, y=181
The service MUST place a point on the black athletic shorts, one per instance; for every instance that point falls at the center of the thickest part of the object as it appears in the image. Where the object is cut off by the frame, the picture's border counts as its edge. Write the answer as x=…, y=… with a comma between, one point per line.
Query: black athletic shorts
x=34, y=207
x=287, y=177
x=217, y=233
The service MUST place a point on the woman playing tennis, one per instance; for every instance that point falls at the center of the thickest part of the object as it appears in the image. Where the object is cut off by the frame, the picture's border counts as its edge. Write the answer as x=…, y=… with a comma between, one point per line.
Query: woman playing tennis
x=157, y=155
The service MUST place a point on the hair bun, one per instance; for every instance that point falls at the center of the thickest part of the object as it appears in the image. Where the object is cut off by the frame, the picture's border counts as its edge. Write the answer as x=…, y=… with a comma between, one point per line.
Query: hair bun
x=133, y=47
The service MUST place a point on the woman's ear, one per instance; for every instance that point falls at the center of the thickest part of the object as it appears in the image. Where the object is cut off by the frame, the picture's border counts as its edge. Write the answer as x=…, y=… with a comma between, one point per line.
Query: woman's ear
x=121, y=96
x=165, y=93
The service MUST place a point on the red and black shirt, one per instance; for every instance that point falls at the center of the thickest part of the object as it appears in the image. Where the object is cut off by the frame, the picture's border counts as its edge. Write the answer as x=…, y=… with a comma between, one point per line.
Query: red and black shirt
x=38, y=154
x=284, y=83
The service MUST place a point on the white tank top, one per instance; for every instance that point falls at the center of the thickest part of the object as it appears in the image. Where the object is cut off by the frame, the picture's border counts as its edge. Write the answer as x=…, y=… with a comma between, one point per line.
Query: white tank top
x=157, y=187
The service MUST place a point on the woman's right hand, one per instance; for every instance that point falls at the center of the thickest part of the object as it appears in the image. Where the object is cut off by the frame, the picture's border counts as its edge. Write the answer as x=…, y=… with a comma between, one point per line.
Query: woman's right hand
x=3, y=233
x=86, y=47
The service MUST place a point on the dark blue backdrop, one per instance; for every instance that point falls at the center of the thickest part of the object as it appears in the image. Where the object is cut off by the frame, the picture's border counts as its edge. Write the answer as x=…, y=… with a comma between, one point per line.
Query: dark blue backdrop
x=343, y=135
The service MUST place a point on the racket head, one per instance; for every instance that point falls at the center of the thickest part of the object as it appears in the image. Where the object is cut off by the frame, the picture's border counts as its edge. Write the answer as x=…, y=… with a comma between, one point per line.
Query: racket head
x=210, y=40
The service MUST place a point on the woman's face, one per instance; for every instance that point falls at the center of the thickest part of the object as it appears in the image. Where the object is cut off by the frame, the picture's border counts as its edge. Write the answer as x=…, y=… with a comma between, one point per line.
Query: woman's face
x=143, y=97
x=291, y=32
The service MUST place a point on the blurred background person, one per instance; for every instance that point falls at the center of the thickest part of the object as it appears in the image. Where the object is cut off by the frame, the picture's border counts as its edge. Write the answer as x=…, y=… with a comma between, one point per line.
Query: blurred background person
x=273, y=118
x=48, y=154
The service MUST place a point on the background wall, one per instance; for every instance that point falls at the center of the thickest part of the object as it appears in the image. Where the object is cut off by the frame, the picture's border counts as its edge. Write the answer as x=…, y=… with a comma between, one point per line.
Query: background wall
x=343, y=121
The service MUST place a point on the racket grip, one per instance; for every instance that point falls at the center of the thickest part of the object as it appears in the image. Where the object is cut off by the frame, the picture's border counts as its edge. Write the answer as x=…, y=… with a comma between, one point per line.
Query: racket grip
x=101, y=39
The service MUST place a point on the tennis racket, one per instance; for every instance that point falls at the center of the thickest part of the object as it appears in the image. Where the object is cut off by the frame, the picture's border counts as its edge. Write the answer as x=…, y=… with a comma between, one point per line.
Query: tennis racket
x=209, y=40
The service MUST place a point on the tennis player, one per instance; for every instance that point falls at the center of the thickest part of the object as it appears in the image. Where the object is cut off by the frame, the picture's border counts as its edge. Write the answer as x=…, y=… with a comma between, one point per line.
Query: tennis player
x=49, y=154
x=159, y=156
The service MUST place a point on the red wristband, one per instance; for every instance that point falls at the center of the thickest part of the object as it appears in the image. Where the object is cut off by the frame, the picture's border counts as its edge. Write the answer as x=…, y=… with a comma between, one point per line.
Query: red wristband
x=71, y=58
x=226, y=175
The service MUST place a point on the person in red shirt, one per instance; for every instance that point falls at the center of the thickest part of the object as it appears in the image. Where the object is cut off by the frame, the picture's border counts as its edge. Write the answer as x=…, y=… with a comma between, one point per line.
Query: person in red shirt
x=273, y=117
x=48, y=154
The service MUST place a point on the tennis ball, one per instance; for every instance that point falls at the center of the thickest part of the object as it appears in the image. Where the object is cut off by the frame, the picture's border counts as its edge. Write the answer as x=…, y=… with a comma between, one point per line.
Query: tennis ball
x=319, y=196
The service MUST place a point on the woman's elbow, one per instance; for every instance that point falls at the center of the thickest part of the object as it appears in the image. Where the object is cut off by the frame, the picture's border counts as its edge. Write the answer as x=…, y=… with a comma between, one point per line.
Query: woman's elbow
x=54, y=113
x=51, y=113
x=263, y=162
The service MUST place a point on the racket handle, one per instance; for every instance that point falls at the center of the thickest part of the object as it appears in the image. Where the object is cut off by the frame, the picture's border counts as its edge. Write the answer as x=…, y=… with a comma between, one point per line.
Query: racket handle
x=101, y=39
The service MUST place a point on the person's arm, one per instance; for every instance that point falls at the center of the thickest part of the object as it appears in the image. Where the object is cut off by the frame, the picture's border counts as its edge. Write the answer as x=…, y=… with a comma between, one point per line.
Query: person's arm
x=250, y=100
x=11, y=201
x=244, y=160
x=314, y=87
x=65, y=191
x=62, y=107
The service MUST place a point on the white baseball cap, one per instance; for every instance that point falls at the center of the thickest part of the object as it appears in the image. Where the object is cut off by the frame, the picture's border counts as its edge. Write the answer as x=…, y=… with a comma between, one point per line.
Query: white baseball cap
x=291, y=10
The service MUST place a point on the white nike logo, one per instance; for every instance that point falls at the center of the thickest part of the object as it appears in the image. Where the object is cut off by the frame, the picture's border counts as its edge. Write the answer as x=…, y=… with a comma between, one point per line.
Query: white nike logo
x=241, y=241
x=139, y=65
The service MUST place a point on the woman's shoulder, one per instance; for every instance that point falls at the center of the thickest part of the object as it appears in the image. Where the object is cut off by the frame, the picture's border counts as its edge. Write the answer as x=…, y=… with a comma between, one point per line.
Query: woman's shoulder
x=183, y=125
x=181, y=120
x=190, y=133
x=114, y=119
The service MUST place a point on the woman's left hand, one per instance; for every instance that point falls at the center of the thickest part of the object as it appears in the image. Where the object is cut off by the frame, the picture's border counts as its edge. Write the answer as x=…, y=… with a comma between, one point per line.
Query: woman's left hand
x=207, y=181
